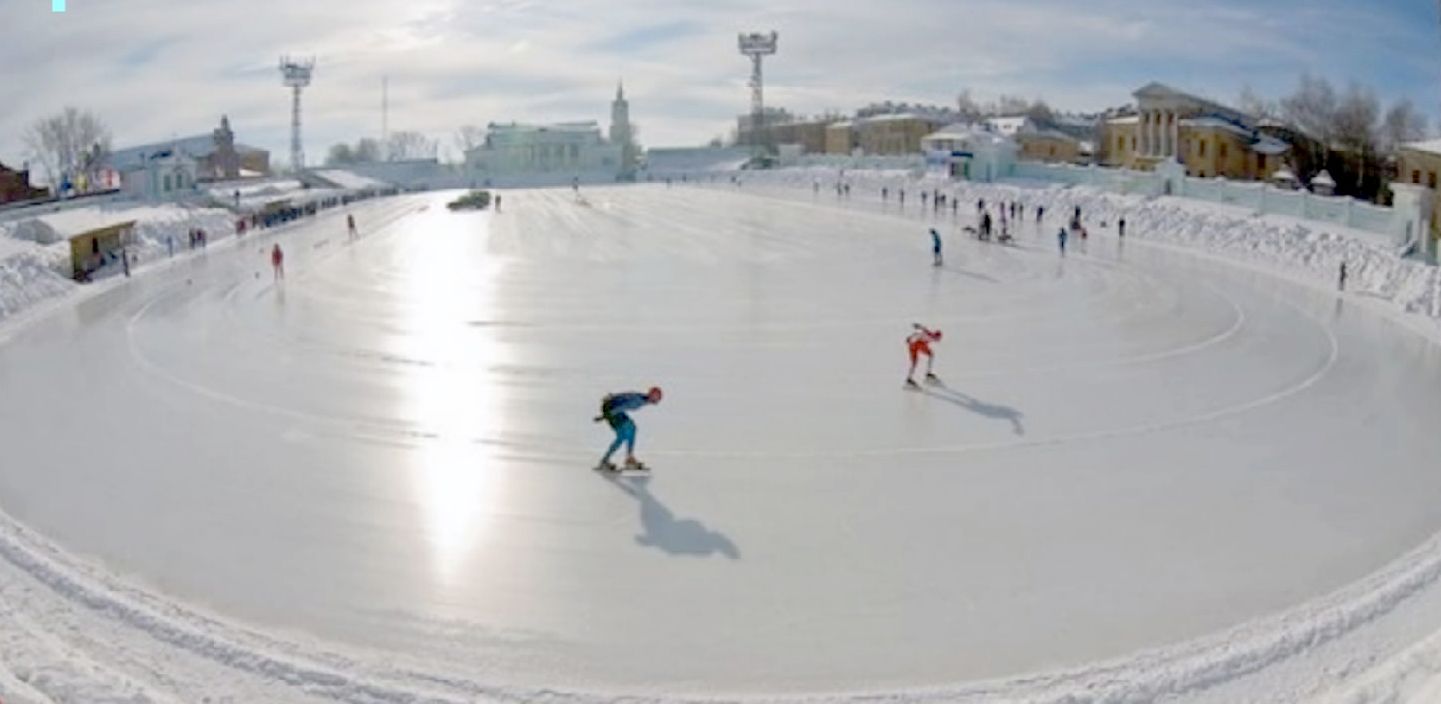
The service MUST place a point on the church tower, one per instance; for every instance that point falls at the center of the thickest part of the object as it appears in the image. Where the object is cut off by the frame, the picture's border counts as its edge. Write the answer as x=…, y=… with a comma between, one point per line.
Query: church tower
x=621, y=132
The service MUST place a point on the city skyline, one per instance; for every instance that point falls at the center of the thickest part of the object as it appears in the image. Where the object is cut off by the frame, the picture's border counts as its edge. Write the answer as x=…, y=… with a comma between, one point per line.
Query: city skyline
x=453, y=63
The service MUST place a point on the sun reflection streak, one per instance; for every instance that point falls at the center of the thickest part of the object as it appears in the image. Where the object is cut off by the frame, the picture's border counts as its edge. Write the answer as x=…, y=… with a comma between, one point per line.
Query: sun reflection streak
x=452, y=399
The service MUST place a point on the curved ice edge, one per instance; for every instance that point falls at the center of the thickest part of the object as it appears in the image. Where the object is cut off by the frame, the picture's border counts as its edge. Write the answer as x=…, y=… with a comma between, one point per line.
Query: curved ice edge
x=1187, y=667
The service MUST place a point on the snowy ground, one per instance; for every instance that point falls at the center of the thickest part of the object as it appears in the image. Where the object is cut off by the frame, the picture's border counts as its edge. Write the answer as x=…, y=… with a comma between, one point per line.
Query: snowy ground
x=370, y=483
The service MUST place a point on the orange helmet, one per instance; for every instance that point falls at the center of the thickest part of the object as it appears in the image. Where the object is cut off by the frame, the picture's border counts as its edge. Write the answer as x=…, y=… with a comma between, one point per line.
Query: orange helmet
x=654, y=394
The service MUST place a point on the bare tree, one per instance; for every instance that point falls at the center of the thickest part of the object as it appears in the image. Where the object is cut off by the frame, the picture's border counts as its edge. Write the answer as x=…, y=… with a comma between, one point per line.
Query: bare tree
x=339, y=155
x=1312, y=107
x=1041, y=114
x=1253, y=104
x=408, y=145
x=68, y=143
x=367, y=151
x=469, y=137
x=1402, y=124
x=1007, y=105
x=968, y=108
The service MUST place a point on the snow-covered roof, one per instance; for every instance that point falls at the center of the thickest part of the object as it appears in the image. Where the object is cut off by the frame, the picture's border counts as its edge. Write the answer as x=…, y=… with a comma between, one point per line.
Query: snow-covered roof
x=1270, y=146
x=1010, y=124
x=197, y=146
x=1260, y=143
x=1430, y=146
x=1046, y=134
x=955, y=129
x=69, y=223
x=348, y=179
x=1323, y=179
x=584, y=126
x=896, y=117
x=1124, y=120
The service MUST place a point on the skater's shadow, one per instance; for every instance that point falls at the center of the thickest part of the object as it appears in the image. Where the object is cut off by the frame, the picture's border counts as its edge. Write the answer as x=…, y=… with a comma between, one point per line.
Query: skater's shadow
x=970, y=274
x=989, y=410
x=664, y=532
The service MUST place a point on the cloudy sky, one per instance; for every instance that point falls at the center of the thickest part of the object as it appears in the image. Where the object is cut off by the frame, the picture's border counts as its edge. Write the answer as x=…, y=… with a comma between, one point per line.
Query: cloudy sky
x=160, y=68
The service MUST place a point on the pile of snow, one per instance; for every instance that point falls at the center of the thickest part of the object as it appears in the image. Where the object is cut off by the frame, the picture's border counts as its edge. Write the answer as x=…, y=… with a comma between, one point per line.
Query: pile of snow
x=29, y=274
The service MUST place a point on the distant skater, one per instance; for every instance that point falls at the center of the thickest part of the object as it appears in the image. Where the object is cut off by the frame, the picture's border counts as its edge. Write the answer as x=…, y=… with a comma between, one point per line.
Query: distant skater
x=917, y=344
x=1121, y=227
x=277, y=262
x=1061, y=240
x=936, y=246
x=497, y=202
x=615, y=410
x=1341, y=283
x=350, y=225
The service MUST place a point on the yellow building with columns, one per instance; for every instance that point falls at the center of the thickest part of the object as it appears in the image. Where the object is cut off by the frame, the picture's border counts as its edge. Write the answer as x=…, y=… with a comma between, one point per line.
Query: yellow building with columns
x=1208, y=138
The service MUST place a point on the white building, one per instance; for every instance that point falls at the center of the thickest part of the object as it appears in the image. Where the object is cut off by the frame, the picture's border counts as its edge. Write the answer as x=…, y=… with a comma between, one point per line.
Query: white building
x=970, y=152
x=551, y=151
x=1009, y=125
x=567, y=147
x=167, y=174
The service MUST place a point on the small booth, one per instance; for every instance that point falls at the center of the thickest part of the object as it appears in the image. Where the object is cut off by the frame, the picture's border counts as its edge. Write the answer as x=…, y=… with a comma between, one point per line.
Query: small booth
x=94, y=249
x=1322, y=184
x=1285, y=178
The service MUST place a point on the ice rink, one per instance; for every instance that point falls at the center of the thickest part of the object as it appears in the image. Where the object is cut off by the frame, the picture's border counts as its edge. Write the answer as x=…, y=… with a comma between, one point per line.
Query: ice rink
x=391, y=450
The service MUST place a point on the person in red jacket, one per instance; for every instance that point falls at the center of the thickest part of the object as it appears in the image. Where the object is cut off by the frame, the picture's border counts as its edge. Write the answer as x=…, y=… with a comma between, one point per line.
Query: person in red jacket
x=277, y=262
x=919, y=343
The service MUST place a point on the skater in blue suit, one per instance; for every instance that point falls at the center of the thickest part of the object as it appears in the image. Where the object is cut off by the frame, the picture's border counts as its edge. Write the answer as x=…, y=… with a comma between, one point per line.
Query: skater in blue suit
x=936, y=246
x=615, y=410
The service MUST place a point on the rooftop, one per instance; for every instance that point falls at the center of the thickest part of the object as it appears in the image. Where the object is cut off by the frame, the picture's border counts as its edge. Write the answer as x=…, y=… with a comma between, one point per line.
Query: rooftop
x=1430, y=146
x=197, y=146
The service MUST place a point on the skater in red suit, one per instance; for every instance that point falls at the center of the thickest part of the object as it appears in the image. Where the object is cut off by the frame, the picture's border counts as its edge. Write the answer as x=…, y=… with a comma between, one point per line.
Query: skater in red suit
x=919, y=343
x=277, y=262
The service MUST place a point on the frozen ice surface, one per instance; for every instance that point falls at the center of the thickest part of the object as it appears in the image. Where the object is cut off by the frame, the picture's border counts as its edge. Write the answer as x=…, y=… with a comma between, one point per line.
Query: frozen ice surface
x=389, y=452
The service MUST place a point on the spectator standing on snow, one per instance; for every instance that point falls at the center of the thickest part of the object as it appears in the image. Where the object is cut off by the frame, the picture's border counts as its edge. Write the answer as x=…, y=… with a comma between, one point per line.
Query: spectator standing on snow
x=277, y=262
x=1121, y=227
x=1341, y=284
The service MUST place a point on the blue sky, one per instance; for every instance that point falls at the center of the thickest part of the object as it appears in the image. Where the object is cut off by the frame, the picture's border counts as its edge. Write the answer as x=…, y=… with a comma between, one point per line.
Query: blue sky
x=157, y=68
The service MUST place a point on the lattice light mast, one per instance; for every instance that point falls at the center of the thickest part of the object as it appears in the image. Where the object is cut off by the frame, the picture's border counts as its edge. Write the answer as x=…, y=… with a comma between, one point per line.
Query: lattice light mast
x=757, y=46
x=295, y=73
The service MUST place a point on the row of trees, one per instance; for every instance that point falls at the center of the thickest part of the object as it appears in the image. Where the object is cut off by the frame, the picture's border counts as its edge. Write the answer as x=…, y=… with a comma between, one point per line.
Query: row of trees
x=402, y=145
x=398, y=146
x=971, y=110
x=1350, y=134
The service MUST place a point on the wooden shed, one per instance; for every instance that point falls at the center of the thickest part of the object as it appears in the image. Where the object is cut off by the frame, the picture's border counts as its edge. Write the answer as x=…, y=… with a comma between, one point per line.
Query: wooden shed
x=92, y=249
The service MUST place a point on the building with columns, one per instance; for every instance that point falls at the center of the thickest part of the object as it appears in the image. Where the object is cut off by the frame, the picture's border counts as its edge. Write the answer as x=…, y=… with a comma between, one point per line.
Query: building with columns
x=1207, y=138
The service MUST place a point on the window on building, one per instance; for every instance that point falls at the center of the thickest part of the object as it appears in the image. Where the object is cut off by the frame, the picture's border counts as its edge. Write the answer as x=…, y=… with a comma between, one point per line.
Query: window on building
x=1431, y=179
x=167, y=183
x=1261, y=165
x=1133, y=143
x=1203, y=147
x=1223, y=150
x=1416, y=176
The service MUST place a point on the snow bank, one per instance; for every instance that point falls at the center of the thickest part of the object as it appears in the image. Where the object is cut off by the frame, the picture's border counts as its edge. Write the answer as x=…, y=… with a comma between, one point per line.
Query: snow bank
x=35, y=252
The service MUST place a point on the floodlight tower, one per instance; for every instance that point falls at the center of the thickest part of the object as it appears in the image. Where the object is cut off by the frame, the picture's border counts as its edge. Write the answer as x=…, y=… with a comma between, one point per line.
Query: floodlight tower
x=757, y=46
x=295, y=73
